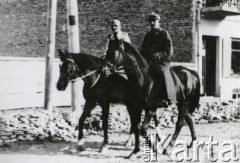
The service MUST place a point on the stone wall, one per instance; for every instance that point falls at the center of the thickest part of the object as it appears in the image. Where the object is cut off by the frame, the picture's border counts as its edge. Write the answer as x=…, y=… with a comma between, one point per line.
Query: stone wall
x=24, y=29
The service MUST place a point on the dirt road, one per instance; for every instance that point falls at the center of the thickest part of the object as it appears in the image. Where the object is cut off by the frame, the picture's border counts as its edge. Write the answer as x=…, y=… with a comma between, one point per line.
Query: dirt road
x=53, y=152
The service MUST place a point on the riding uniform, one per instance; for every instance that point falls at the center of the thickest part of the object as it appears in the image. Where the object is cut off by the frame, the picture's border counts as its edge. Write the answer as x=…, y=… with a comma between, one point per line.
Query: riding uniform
x=115, y=37
x=120, y=36
x=112, y=40
x=157, y=48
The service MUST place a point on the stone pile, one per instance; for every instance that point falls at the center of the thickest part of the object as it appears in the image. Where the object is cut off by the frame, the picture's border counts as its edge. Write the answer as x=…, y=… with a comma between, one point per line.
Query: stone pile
x=35, y=124
x=214, y=112
x=119, y=119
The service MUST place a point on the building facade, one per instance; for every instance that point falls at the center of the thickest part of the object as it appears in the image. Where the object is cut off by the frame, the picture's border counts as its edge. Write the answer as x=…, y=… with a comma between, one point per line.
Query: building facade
x=219, y=48
x=205, y=33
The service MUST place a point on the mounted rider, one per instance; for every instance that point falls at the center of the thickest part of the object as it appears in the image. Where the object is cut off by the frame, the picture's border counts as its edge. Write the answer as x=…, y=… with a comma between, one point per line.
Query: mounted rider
x=157, y=48
x=117, y=34
x=113, y=39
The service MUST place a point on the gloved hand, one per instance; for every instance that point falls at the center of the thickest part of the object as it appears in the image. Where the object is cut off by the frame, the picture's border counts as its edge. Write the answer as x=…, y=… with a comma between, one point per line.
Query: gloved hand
x=159, y=57
x=106, y=71
x=156, y=58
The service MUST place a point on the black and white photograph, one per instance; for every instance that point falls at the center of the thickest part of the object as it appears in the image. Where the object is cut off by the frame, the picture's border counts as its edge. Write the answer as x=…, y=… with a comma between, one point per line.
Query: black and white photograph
x=118, y=81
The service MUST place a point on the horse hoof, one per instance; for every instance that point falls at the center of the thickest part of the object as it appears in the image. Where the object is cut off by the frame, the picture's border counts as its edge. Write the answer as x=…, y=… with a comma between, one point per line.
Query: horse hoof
x=164, y=152
x=132, y=156
x=73, y=149
x=65, y=149
x=80, y=148
x=191, y=144
x=128, y=144
x=103, y=149
x=143, y=132
x=80, y=145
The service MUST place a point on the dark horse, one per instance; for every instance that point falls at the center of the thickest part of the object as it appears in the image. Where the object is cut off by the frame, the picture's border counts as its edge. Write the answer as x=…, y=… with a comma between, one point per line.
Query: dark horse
x=139, y=75
x=97, y=90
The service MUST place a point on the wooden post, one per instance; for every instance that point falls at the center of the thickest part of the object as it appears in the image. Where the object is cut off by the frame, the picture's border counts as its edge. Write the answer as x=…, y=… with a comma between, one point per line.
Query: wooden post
x=74, y=47
x=199, y=44
x=51, y=20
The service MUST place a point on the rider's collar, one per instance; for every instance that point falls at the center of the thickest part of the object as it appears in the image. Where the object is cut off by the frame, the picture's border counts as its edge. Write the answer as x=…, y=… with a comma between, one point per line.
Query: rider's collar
x=156, y=30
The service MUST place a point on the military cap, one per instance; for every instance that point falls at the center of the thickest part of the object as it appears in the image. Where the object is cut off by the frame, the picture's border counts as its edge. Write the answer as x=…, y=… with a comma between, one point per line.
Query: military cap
x=153, y=16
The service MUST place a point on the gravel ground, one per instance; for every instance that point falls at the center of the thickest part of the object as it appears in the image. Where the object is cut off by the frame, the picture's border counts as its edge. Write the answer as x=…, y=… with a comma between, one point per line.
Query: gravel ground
x=53, y=151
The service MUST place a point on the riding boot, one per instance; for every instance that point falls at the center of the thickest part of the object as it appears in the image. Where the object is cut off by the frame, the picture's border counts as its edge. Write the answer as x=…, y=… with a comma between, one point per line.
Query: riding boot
x=171, y=88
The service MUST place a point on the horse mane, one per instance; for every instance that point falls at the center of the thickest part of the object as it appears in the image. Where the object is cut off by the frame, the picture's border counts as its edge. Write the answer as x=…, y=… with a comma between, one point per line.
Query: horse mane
x=84, y=60
x=138, y=58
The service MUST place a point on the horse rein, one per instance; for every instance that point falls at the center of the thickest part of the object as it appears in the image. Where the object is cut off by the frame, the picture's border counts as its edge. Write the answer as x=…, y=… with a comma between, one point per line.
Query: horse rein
x=114, y=66
x=86, y=75
x=124, y=55
x=90, y=73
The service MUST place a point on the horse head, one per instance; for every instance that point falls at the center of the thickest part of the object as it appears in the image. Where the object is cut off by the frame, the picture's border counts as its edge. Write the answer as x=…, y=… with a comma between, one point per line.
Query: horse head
x=68, y=70
x=115, y=54
x=78, y=65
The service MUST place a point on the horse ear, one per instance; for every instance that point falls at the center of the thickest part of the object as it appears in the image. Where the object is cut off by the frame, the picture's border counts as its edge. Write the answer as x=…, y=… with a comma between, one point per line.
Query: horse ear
x=66, y=52
x=68, y=55
x=62, y=55
x=60, y=52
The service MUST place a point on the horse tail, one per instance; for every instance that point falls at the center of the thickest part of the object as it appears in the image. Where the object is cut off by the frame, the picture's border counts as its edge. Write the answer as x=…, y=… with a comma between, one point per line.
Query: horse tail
x=196, y=95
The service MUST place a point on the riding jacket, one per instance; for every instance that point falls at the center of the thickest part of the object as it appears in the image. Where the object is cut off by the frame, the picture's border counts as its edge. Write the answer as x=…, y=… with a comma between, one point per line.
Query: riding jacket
x=119, y=36
x=157, y=48
x=157, y=44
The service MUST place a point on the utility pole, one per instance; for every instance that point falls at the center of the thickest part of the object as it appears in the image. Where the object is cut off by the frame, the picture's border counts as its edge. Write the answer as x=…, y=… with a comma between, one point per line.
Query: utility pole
x=199, y=42
x=51, y=24
x=74, y=47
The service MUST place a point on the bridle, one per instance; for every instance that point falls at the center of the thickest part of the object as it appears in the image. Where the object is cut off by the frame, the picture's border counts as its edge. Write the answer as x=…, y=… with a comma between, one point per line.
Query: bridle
x=76, y=70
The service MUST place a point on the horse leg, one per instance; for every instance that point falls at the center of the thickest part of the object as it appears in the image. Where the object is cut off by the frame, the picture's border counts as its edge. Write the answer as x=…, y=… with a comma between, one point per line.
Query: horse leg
x=189, y=121
x=136, y=119
x=88, y=107
x=158, y=138
x=157, y=123
x=105, y=115
x=179, y=124
x=147, y=119
x=129, y=140
x=86, y=111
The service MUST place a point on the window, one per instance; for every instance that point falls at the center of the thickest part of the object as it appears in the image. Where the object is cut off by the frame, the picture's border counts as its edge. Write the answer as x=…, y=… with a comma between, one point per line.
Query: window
x=235, y=63
x=236, y=93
